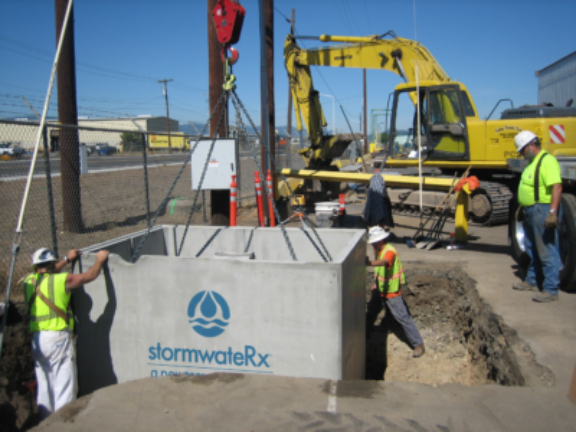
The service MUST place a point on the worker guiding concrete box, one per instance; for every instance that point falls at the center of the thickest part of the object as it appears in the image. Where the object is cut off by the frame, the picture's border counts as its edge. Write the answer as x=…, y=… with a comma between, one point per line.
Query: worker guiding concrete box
x=48, y=292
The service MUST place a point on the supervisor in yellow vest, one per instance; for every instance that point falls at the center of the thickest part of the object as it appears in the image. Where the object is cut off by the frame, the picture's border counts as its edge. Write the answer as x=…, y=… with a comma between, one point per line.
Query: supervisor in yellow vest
x=386, y=292
x=51, y=322
x=539, y=195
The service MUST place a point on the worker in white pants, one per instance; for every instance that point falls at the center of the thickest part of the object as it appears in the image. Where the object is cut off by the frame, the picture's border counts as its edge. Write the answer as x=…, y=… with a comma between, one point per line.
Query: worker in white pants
x=52, y=325
x=54, y=356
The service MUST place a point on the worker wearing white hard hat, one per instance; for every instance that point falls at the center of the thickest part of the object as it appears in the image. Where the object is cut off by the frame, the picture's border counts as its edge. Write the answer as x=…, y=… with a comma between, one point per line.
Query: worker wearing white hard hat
x=48, y=294
x=386, y=292
x=539, y=195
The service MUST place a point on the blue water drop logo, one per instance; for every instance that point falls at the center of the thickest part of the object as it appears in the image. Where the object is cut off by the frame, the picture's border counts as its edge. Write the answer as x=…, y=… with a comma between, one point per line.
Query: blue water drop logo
x=208, y=313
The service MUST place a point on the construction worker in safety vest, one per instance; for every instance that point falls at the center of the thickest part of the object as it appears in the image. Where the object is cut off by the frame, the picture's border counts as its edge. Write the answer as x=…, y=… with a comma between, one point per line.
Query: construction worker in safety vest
x=48, y=294
x=539, y=197
x=386, y=291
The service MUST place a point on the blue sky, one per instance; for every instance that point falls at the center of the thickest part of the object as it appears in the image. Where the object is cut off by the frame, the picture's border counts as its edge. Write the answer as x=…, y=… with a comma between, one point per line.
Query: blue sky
x=124, y=46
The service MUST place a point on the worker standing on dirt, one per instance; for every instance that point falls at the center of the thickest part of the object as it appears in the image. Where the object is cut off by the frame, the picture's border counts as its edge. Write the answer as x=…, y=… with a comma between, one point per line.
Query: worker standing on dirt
x=48, y=293
x=539, y=194
x=386, y=291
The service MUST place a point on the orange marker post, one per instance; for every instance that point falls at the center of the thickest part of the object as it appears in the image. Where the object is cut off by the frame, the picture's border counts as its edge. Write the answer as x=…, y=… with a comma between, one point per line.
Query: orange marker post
x=258, y=186
x=342, y=204
x=270, y=185
x=233, y=201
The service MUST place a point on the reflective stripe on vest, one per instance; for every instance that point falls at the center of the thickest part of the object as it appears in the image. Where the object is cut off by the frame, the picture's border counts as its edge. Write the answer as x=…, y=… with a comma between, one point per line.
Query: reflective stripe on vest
x=53, y=287
x=389, y=280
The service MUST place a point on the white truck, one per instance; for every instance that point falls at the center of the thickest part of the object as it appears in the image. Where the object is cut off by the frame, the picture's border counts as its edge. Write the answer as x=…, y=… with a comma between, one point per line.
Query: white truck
x=8, y=151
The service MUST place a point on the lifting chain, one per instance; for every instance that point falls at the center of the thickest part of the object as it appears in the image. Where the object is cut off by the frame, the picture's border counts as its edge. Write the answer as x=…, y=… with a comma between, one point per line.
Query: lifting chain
x=212, y=237
x=250, y=239
x=239, y=106
x=199, y=187
x=236, y=101
x=164, y=202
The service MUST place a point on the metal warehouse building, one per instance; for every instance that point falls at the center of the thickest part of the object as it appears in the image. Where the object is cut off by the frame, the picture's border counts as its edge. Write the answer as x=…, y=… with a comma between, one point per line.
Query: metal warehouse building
x=23, y=134
x=557, y=82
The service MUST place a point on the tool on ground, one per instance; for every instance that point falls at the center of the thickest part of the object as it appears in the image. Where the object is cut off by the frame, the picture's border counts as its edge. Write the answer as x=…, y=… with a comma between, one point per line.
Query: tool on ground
x=410, y=241
x=270, y=184
x=258, y=186
x=233, y=200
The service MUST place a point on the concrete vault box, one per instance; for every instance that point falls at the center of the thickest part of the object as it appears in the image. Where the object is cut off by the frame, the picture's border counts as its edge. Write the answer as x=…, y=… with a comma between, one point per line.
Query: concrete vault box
x=168, y=314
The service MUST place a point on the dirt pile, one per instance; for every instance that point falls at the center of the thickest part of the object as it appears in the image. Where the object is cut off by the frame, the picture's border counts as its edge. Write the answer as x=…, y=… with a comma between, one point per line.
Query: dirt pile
x=17, y=400
x=465, y=341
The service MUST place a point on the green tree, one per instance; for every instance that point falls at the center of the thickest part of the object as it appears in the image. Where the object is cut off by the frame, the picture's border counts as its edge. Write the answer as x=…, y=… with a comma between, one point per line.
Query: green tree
x=131, y=141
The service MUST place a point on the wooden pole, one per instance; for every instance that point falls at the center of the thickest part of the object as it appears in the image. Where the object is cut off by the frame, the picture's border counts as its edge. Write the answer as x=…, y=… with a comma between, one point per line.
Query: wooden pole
x=68, y=115
x=219, y=199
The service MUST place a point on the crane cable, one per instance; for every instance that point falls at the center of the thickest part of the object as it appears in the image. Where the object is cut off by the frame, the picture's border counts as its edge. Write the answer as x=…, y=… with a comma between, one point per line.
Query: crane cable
x=418, y=119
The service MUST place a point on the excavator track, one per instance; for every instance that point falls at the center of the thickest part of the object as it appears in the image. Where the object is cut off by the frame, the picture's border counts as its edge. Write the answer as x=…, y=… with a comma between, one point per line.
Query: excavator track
x=499, y=196
x=488, y=205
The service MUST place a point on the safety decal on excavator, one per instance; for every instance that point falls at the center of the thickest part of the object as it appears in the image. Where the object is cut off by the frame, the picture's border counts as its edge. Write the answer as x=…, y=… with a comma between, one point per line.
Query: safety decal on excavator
x=557, y=134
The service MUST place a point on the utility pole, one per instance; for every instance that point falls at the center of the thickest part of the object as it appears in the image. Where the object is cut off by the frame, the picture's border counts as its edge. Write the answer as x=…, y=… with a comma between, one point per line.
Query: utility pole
x=219, y=199
x=165, y=91
x=267, y=92
x=289, y=122
x=365, y=116
x=68, y=115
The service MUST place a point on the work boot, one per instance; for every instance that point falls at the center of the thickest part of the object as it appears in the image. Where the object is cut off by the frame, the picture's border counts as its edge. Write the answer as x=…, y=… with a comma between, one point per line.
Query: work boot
x=545, y=297
x=418, y=351
x=523, y=286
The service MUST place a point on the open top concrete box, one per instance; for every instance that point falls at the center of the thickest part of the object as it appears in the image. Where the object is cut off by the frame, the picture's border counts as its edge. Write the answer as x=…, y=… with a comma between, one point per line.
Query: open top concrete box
x=167, y=314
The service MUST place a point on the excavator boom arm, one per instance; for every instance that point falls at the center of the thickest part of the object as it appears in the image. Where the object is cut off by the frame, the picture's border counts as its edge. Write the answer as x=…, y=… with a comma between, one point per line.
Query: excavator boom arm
x=404, y=57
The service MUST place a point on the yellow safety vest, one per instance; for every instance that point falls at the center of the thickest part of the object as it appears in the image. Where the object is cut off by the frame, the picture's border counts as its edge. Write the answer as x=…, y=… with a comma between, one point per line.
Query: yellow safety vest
x=53, y=288
x=389, y=280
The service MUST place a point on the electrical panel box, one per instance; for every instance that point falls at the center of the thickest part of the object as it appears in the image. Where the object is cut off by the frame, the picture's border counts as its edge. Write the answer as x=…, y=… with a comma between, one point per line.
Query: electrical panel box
x=222, y=163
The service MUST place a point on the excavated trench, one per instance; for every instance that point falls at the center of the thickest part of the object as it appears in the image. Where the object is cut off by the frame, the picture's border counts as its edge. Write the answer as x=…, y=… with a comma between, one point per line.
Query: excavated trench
x=466, y=343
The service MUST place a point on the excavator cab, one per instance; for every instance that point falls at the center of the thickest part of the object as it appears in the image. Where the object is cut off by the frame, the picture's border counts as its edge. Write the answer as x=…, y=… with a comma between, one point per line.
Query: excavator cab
x=442, y=134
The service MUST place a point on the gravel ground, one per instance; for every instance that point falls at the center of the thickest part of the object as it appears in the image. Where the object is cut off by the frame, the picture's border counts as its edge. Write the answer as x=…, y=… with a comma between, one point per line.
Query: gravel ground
x=113, y=204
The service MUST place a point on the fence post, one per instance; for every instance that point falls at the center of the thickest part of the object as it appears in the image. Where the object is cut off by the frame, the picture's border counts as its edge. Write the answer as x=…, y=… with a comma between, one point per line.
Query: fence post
x=49, y=187
x=145, y=162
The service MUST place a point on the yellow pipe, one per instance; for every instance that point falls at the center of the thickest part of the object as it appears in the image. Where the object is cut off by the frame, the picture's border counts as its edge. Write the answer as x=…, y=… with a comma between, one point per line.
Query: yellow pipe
x=348, y=39
x=402, y=163
x=429, y=183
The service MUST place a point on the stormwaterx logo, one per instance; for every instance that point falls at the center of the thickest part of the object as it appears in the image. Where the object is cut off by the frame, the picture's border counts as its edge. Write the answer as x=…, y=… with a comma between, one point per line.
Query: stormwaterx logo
x=208, y=313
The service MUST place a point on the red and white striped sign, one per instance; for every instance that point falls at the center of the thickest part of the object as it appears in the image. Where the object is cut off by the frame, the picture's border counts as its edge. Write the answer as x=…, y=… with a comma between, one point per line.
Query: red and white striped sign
x=557, y=134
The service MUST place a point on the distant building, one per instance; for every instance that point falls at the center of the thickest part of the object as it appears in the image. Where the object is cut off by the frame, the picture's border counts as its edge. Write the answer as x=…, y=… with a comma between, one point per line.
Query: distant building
x=24, y=135
x=557, y=82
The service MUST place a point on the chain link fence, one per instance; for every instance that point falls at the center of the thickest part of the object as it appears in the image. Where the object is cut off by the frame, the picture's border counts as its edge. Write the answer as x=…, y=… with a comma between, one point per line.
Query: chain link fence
x=112, y=187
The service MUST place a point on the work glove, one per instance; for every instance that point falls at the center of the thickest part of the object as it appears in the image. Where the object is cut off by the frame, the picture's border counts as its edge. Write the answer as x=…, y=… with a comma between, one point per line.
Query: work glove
x=520, y=214
x=551, y=221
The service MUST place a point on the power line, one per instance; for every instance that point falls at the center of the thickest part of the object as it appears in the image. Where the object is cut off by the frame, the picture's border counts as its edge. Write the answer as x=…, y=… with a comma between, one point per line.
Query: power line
x=285, y=17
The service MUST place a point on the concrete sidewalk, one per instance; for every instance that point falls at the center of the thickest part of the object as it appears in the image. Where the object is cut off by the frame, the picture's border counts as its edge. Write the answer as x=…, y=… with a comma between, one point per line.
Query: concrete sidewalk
x=269, y=403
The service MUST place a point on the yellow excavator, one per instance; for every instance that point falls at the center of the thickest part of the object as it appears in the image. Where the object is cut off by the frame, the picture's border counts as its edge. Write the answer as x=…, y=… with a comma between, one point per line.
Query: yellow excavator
x=447, y=129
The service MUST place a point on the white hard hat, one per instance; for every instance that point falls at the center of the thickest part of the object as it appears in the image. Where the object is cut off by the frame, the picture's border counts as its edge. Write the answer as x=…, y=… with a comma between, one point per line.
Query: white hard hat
x=377, y=234
x=43, y=256
x=523, y=139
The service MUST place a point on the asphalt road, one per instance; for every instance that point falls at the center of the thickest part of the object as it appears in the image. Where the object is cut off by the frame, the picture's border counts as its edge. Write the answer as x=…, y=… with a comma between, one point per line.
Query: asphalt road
x=18, y=169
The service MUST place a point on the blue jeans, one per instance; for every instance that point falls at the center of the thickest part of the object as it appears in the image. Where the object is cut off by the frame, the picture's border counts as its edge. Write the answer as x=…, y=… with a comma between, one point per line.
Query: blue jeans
x=542, y=247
